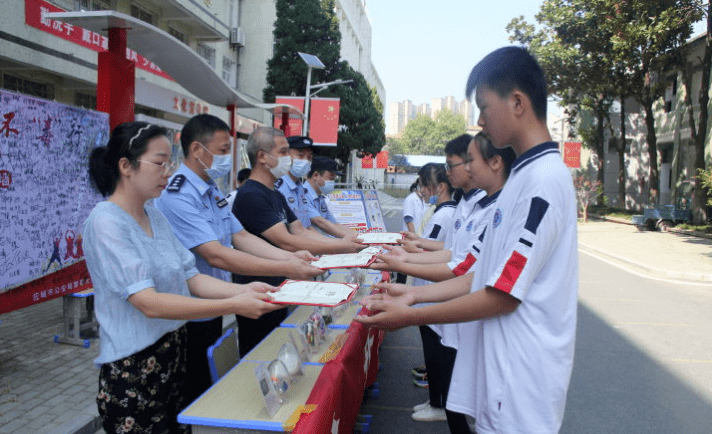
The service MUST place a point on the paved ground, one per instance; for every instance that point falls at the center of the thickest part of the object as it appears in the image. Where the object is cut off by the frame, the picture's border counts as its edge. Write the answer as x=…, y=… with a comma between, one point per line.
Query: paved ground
x=49, y=388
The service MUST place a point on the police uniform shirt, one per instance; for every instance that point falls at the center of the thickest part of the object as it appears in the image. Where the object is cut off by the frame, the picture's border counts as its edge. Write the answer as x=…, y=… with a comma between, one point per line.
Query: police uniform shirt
x=530, y=252
x=295, y=194
x=198, y=213
x=316, y=204
x=259, y=208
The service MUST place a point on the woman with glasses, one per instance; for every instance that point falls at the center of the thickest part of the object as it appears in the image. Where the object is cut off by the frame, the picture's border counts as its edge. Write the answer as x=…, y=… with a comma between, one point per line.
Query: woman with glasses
x=146, y=285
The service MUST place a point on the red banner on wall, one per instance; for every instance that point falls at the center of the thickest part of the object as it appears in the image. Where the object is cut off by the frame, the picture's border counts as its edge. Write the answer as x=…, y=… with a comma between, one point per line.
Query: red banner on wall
x=572, y=154
x=367, y=161
x=35, y=11
x=323, y=119
x=64, y=281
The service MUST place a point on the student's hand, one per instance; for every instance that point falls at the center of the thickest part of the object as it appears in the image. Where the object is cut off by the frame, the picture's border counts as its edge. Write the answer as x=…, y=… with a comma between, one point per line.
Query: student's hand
x=351, y=246
x=301, y=270
x=259, y=287
x=304, y=255
x=410, y=236
x=398, y=291
x=353, y=237
x=386, y=262
x=253, y=305
x=397, y=252
x=412, y=247
x=388, y=314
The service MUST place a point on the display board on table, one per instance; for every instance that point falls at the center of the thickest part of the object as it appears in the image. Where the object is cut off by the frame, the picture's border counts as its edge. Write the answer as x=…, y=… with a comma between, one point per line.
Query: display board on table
x=46, y=196
x=357, y=209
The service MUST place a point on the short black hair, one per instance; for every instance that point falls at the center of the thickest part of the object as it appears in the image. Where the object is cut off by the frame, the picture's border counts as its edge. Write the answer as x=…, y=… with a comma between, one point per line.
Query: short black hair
x=509, y=68
x=488, y=151
x=243, y=174
x=458, y=146
x=200, y=128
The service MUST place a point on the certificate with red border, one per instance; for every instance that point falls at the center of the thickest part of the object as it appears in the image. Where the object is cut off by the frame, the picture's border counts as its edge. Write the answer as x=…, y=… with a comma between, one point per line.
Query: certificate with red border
x=346, y=260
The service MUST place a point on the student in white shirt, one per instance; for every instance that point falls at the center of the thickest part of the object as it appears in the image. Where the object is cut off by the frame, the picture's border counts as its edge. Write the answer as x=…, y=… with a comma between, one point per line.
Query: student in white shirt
x=514, y=363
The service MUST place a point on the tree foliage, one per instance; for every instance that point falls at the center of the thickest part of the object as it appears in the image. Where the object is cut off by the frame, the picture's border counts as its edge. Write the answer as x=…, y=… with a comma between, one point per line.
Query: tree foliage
x=594, y=51
x=426, y=136
x=311, y=26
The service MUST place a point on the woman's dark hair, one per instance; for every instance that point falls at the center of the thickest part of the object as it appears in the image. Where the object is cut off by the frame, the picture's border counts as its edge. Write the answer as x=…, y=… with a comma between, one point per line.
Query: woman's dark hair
x=489, y=151
x=433, y=174
x=128, y=140
x=414, y=186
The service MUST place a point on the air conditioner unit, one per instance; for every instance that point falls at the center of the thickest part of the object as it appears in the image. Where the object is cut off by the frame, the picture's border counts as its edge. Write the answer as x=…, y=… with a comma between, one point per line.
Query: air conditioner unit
x=237, y=37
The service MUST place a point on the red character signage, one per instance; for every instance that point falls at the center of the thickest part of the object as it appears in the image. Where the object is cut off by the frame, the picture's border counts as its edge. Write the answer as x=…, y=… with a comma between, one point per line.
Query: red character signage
x=367, y=161
x=572, y=154
x=35, y=11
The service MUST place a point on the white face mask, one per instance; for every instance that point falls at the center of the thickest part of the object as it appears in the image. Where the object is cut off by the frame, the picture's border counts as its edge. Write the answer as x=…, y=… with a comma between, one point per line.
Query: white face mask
x=300, y=168
x=328, y=187
x=282, y=167
x=221, y=165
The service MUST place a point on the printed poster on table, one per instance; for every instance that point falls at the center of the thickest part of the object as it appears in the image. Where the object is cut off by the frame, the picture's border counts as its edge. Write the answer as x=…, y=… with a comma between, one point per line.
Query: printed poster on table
x=348, y=209
x=44, y=189
x=373, y=210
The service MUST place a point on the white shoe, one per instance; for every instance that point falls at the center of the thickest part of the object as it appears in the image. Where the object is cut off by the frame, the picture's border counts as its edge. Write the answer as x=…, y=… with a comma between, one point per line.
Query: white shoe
x=419, y=407
x=429, y=414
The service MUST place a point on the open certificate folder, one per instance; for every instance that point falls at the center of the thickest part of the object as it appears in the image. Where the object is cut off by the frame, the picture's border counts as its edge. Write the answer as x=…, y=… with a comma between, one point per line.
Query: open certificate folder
x=380, y=238
x=346, y=260
x=307, y=292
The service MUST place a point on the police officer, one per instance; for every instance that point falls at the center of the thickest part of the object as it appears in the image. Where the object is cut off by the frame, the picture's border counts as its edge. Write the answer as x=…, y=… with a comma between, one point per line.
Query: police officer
x=290, y=185
x=320, y=182
x=202, y=221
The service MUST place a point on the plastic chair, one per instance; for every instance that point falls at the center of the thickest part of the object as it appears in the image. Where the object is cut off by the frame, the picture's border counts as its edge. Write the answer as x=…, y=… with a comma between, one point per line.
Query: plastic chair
x=222, y=355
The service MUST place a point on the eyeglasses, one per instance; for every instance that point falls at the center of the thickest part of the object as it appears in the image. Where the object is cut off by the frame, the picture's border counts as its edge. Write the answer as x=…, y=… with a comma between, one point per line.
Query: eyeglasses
x=449, y=167
x=167, y=166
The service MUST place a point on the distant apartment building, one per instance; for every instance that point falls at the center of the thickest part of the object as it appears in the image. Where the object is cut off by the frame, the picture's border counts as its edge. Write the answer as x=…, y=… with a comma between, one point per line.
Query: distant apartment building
x=401, y=112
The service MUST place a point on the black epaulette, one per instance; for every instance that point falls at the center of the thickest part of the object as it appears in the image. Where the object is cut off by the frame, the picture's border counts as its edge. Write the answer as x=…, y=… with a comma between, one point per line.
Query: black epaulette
x=278, y=183
x=176, y=183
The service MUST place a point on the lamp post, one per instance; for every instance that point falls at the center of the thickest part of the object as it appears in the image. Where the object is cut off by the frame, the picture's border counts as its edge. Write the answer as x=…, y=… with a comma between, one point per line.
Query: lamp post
x=313, y=62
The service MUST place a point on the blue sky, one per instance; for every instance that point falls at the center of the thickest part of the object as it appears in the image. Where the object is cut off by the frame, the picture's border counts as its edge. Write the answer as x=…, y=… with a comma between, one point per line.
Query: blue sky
x=424, y=50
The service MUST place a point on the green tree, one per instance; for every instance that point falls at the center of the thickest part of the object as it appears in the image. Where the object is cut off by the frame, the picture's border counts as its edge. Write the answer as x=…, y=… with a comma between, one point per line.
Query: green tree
x=647, y=37
x=573, y=51
x=426, y=136
x=361, y=124
x=699, y=123
x=311, y=26
x=307, y=26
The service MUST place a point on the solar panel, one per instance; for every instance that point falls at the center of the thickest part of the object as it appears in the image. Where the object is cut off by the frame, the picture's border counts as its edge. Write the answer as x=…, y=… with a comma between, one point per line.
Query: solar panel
x=311, y=60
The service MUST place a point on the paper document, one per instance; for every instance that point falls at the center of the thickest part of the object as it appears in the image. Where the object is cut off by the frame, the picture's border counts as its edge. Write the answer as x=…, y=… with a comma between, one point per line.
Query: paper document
x=380, y=238
x=346, y=260
x=312, y=293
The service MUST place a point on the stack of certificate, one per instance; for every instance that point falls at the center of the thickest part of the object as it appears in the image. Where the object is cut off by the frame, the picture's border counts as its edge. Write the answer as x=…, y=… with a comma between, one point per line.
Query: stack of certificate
x=346, y=260
x=308, y=292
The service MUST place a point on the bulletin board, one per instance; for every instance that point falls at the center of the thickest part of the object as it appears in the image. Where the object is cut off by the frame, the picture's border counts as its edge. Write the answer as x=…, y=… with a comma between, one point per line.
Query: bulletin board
x=45, y=193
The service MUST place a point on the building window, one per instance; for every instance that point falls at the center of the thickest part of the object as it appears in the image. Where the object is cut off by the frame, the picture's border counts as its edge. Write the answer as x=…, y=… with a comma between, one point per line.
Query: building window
x=28, y=87
x=207, y=53
x=92, y=5
x=148, y=111
x=85, y=100
x=143, y=14
x=176, y=34
x=228, y=72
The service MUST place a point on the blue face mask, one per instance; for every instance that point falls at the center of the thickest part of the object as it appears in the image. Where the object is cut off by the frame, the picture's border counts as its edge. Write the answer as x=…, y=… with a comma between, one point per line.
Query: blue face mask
x=221, y=165
x=328, y=187
x=300, y=168
x=432, y=200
